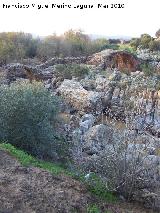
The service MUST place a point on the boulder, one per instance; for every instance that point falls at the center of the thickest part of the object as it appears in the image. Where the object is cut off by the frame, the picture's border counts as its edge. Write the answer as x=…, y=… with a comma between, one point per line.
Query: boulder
x=86, y=122
x=101, y=83
x=81, y=99
x=96, y=138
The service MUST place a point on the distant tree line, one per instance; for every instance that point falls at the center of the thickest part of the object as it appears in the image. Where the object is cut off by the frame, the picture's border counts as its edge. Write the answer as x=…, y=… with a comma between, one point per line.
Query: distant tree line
x=18, y=45
x=15, y=46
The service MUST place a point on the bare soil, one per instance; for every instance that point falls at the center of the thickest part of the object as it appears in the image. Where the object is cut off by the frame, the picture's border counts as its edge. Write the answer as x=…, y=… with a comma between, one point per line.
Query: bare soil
x=33, y=190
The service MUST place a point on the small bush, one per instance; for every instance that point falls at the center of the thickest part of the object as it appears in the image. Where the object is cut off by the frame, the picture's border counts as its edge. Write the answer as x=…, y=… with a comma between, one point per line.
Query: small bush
x=154, y=45
x=147, y=69
x=27, y=116
x=97, y=187
x=123, y=167
x=67, y=71
x=93, y=209
x=128, y=48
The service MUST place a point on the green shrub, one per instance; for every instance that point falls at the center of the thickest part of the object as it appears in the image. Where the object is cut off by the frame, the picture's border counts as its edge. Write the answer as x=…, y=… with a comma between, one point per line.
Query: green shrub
x=27, y=116
x=154, y=45
x=135, y=42
x=67, y=71
x=112, y=46
x=93, y=209
x=145, y=42
x=98, y=188
x=147, y=69
x=128, y=48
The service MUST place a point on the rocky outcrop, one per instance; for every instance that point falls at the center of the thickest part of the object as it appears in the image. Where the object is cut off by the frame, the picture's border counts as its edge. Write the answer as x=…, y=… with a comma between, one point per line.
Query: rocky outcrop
x=135, y=96
x=145, y=97
x=149, y=55
x=40, y=72
x=86, y=122
x=108, y=153
x=66, y=60
x=106, y=59
x=96, y=139
x=119, y=96
x=81, y=99
x=122, y=60
x=15, y=71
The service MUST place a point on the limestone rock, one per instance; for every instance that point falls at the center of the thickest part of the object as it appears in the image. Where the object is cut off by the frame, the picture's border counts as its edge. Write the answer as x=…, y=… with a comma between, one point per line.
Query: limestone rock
x=96, y=138
x=81, y=99
x=86, y=122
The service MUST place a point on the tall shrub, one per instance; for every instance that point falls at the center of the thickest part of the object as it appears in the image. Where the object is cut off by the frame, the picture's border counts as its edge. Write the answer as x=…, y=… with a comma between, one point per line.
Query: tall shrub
x=27, y=117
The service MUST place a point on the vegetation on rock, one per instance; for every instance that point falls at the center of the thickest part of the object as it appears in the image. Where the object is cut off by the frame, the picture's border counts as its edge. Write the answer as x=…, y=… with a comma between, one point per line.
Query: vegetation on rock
x=67, y=71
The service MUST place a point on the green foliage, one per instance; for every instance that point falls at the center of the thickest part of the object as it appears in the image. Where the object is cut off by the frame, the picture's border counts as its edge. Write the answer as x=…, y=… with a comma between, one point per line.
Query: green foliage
x=16, y=46
x=27, y=116
x=135, y=42
x=145, y=42
x=95, y=185
x=93, y=209
x=98, y=188
x=154, y=45
x=76, y=43
x=27, y=160
x=112, y=46
x=147, y=69
x=71, y=43
x=127, y=47
x=49, y=47
x=99, y=45
x=67, y=71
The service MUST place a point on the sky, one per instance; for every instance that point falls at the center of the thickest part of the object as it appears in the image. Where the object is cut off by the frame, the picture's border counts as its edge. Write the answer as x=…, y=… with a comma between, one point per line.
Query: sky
x=137, y=17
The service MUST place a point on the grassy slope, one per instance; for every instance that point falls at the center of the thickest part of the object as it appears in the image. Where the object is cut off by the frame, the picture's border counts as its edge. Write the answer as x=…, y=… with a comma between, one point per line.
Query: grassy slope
x=95, y=186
